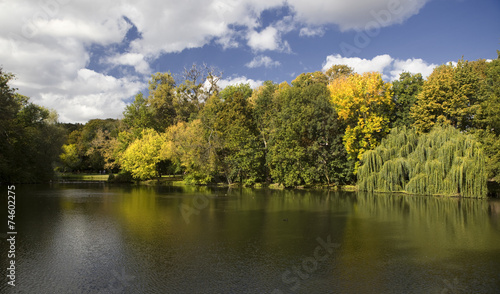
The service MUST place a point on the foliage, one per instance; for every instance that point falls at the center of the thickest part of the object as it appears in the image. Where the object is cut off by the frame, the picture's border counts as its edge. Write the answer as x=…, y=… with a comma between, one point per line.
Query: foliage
x=306, y=135
x=442, y=162
x=161, y=100
x=487, y=120
x=138, y=115
x=405, y=89
x=449, y=96
x=234, y=145
x=30, y=139
x=143, y=155
x=364, y=103
x=69, y=157
x=104, y=144
x=189, y=147
x=95, y=144
x=121, y=177
x=337, y=71
x=263, y=107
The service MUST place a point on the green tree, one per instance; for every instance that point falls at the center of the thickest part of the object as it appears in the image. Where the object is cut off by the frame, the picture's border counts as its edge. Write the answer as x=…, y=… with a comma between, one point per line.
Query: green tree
x=405, y=89
x=450, y=95
x=306, y=135
x=86, y=141
x=232, y=135
x=243, y=151
x=138, y=115
x=442, y=162
x=191, y=147
x=30, y=137
x=487, y=120
x=69, y=157
x=264, y=108
x=338, y=71
x=161, y=100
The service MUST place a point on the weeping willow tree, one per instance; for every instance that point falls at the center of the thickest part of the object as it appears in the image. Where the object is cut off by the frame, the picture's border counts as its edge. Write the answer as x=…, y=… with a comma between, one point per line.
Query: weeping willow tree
x=442, y=162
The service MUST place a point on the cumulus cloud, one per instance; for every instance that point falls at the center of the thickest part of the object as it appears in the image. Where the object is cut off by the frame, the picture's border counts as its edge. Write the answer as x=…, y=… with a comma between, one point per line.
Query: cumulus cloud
x=239, y=80
x=47, y=44
x=378, y=63
x=89, y=95
x=131, y=59
x=262, y=60
x=390, y=67
x=348, y=15
x=267, y=39
x=411, y=66
x=311, y=32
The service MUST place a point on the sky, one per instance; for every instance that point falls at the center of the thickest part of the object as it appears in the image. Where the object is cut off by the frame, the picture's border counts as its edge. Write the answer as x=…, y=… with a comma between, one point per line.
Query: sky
x=88, y=59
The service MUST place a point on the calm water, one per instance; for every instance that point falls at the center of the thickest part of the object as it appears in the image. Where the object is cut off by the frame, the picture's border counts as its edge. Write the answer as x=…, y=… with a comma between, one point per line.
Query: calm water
x=95, y=238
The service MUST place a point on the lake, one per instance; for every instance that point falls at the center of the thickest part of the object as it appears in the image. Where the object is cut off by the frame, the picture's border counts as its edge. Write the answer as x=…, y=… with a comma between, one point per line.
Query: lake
x=100, y=238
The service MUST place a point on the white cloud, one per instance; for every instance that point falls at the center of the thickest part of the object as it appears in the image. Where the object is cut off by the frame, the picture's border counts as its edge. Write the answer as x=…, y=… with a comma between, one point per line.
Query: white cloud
x=411, y=66
x=355, y=15
x=47, y=43
x=378, y=63
x=311, y=32
x=90, y=95
x=267, y=39
x=132, y=59
x=239, y=80
x=262, y=60
x=390, y=67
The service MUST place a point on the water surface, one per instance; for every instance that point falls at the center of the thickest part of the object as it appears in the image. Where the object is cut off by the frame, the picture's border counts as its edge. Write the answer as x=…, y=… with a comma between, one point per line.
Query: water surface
x=97, y=238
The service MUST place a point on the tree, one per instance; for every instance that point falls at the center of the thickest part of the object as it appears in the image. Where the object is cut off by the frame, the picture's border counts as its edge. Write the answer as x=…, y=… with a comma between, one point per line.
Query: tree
x=143, y=155
x=189, y=146
x=305, y=135
x=364, y=103
x=405, y=89
x=69, y=157
x=200, y=82
x=449, y=96
x=487, y=120
x=338, y=71
x=243, y=151
x=105, y=144
x=91, y=148
x=30, y=139
x=306, y=79
x=442, y=162
x=161, y=100
x=231, y=135
x=263, y=106
x=138, y=115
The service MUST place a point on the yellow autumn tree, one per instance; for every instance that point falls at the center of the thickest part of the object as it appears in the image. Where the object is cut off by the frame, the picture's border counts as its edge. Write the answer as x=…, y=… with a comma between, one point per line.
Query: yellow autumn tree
x=142, y=156
x=364, y=103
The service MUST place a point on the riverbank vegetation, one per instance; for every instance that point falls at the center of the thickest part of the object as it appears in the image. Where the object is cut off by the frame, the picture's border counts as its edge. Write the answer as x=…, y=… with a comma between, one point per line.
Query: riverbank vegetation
x=425, y=136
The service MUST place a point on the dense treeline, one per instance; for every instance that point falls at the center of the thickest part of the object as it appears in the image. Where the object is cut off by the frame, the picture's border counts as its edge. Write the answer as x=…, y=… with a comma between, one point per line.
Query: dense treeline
x=30, y=138
x=323, y=128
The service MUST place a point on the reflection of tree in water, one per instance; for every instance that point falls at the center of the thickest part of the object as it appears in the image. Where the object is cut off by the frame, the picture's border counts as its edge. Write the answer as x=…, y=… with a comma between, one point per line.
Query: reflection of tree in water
x=494, y=212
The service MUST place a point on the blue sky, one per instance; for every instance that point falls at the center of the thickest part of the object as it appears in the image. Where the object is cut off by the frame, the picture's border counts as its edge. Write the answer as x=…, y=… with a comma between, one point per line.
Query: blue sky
x=87, y=59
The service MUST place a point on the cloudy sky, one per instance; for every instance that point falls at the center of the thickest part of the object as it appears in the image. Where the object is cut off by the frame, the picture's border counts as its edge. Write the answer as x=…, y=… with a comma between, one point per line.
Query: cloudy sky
x=87, y=59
